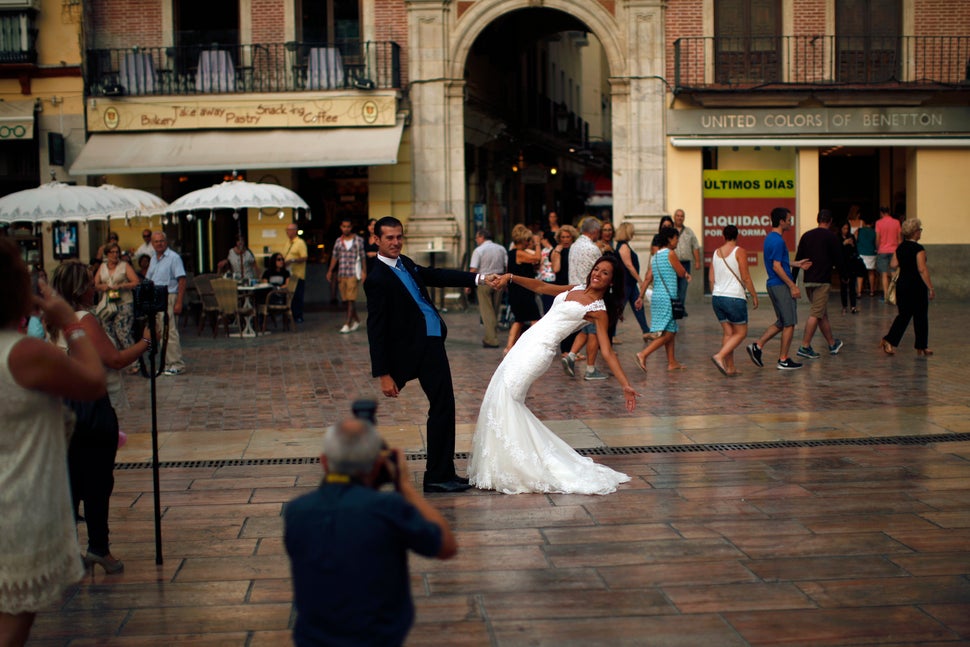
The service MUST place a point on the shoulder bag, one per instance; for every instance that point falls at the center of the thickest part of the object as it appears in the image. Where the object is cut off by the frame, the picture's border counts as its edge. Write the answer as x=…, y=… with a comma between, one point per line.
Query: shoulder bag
x=733, y=273
x=676, y=305
x=891, y=290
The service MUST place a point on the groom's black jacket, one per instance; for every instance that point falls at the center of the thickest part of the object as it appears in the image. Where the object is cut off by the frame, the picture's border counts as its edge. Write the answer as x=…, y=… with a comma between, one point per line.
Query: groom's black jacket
x=396, y=327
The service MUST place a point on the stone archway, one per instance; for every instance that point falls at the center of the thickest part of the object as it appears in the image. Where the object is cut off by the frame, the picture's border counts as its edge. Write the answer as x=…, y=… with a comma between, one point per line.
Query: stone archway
x=439, y=42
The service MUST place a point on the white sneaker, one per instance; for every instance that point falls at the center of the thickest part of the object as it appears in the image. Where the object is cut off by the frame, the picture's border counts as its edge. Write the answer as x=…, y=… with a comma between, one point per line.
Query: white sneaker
x=354, y=326
x=345, y=329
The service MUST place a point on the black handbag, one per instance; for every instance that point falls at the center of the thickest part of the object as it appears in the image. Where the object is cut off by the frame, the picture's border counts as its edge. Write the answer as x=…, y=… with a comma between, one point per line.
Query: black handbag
x=676, y=305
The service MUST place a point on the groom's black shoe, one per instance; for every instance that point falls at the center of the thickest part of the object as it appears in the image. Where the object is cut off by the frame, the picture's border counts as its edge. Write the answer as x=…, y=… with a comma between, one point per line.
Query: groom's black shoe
x=456, y=484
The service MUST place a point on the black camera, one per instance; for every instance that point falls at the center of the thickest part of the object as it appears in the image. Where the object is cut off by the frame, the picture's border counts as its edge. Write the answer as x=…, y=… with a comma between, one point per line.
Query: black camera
x=365, y=410
x=150, y=299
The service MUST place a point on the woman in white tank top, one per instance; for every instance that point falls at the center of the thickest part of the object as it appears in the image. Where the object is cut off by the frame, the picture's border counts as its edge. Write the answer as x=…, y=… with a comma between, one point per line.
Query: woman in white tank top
x=729, y=278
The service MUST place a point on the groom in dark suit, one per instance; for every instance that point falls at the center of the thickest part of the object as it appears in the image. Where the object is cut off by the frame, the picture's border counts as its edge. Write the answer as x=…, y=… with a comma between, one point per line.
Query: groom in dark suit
x=407, y=341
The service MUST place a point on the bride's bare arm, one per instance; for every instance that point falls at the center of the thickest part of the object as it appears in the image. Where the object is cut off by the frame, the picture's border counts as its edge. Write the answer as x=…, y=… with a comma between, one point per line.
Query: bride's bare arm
x=602, y=322
x=535, y=285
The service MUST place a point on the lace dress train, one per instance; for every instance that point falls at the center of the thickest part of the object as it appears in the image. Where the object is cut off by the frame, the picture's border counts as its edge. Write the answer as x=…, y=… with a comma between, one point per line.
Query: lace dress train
x=512, y=451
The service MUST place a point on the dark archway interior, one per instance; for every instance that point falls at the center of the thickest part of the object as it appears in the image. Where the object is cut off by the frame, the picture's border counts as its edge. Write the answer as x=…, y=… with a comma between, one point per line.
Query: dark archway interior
x=536, y=122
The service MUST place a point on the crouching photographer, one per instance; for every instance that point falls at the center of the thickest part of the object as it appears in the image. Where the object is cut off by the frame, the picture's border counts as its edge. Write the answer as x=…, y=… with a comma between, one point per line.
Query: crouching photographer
x=348, y=542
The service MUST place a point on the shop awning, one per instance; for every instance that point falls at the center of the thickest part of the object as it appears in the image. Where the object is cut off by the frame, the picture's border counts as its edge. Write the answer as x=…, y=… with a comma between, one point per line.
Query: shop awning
x=822, y=142
x=177, y=152
x=16, y=120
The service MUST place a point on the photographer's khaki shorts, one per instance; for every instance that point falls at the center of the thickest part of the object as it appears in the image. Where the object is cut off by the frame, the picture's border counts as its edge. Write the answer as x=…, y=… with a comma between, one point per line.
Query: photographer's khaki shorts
x=348, y=288
x=818, y=294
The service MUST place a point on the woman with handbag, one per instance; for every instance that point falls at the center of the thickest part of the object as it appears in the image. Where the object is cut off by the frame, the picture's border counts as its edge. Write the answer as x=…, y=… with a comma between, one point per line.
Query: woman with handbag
x=114, y=281
x=730, y=280
x=914, y=291
x=91, y=454
x=665, y=307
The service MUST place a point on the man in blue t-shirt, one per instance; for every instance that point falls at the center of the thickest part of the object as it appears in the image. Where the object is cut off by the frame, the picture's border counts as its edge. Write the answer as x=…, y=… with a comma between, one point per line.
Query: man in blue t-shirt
x=782, y=290
x=348, y=543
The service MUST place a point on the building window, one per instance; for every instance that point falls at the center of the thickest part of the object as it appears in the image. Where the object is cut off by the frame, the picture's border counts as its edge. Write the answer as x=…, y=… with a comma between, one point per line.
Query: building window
x=747, y=41
x=17, y=37
x=867, y=40
x=335, y=23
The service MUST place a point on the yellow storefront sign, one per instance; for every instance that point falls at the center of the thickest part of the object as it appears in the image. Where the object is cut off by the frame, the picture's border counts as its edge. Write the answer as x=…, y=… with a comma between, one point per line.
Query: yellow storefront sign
x=771, y=183
x=221, y=112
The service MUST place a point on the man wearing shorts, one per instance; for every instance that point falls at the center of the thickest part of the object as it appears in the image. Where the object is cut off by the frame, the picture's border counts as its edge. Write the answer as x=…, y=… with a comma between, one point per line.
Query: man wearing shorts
x=782, y=290
x=347, y=264
x=821, y=246
x=888, y=236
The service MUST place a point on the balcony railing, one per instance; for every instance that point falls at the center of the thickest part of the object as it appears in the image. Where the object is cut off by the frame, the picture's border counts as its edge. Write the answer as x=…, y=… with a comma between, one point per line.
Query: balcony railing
x=18, y=37
x=716, y=63
x=218, y=68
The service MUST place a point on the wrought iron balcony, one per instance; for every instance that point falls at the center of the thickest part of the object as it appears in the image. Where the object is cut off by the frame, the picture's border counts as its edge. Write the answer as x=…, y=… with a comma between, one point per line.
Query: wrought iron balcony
x=717, y=63
x=18, y=37
x=236, y=69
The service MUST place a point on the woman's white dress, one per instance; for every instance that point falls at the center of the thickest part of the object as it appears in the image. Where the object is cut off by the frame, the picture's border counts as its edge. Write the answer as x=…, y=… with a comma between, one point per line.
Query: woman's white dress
x=512, y=451
x=39, y=555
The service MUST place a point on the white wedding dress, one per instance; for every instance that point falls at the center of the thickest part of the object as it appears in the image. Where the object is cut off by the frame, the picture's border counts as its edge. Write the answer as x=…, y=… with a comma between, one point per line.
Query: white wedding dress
x=512, y=451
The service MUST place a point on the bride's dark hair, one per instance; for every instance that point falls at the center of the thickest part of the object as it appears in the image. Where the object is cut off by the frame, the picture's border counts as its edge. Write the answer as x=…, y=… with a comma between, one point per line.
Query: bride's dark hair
x=615, y=296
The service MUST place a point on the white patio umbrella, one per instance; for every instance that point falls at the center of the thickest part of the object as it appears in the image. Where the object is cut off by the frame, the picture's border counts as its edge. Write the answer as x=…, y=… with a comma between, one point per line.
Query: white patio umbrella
x=147, y=204
x=59, y=202
x=236, y=195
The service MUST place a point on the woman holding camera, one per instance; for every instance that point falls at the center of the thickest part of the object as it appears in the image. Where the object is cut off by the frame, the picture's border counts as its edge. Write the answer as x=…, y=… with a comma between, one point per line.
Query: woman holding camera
x=115, y=280
x=91, y=455
x=38, y=545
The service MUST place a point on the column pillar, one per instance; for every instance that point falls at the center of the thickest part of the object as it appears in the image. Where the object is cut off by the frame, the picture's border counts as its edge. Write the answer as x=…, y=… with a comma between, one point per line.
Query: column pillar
x=639, y=134
x=437, y=135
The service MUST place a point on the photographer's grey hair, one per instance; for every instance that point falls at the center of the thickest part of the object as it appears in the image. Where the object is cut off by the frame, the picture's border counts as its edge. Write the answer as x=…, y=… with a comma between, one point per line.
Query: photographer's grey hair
x=349, y=450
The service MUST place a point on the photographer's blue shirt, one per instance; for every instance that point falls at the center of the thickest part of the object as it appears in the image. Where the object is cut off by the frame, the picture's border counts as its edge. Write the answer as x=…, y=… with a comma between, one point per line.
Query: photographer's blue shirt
x=348, y=548
x=166, y=270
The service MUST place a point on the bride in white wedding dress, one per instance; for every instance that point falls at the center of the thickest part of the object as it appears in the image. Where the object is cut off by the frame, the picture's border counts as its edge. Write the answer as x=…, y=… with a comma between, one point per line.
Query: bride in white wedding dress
x=512, y=451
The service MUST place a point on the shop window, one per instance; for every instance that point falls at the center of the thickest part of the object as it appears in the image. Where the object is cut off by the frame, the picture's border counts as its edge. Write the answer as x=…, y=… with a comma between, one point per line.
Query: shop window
x=747, y=41
x=867, y=40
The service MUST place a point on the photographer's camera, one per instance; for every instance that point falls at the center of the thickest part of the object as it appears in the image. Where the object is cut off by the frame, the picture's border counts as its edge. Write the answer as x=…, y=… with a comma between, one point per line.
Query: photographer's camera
x=149, y=299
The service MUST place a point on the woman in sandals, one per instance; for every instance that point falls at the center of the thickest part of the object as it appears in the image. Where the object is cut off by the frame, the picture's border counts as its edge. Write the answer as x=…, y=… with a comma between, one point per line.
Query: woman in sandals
x=729, y=278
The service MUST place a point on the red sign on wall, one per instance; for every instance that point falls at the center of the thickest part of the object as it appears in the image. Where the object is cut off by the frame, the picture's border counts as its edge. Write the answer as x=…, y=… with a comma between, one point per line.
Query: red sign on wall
x=745, y=199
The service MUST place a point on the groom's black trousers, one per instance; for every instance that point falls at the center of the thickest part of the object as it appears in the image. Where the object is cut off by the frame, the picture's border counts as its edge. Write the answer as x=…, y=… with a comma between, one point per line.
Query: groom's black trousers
x=434, y=375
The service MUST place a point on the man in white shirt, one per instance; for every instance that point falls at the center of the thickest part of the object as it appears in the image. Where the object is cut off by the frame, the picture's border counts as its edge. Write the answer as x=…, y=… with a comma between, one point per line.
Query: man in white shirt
x=488, y=258
x=583, y=255
x=688, y=249
x=167, y=269
x=145, y=249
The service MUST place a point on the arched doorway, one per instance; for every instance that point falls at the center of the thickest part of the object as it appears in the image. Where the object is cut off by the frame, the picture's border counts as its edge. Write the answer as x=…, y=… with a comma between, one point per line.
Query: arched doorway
x=537, y=129
x=632, y=42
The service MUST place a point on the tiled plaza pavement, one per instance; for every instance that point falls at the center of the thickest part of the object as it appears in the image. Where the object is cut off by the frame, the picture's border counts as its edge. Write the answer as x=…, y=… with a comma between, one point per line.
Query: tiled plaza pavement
x=750, y=519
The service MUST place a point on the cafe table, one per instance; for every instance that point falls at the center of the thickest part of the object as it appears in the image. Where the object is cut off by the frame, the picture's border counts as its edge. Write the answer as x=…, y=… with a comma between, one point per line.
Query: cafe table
x=249, y=296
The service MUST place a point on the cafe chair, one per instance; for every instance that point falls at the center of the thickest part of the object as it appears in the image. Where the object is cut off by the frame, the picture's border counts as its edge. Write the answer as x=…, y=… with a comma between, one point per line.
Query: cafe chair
x=274, y=305
x=230, y=311
x=209, y=307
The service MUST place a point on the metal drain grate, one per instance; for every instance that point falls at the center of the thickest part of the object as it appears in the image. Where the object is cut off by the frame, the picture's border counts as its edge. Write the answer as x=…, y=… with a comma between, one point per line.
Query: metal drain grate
x=591, y=451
